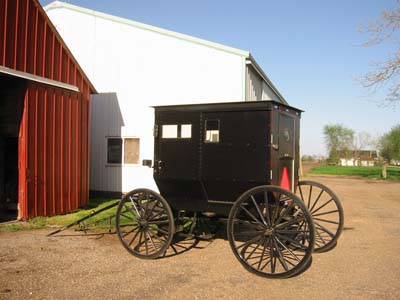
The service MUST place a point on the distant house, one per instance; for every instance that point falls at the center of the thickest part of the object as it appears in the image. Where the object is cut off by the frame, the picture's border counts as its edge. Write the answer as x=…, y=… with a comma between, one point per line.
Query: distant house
x=137, y=66
x=365, y=158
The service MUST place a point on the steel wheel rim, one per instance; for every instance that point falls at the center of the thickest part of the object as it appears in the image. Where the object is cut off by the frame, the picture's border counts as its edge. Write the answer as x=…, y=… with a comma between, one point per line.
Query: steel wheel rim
x=145, y=223
x=326, y=211
x=274, y=240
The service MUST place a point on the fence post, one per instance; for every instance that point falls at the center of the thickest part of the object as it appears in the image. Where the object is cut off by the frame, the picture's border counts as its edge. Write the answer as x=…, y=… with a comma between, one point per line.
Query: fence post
x=384, y=171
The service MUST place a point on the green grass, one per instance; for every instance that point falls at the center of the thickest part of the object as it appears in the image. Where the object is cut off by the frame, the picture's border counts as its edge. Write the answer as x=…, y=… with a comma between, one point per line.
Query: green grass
x=393, y=173
x=65, y=219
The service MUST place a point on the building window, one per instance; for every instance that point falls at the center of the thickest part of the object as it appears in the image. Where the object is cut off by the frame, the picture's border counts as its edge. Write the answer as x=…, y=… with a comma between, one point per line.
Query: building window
x=181, y=131
x=212, y=131
x=131, y=151
x=114, y=150
x=123, y=150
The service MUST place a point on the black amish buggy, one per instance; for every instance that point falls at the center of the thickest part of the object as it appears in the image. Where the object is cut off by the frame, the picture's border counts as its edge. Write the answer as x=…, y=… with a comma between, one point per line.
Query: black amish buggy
x=238, y=163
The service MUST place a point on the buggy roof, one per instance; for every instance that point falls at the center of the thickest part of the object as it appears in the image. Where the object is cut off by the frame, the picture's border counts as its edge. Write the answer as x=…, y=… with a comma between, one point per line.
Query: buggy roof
x=230, y=106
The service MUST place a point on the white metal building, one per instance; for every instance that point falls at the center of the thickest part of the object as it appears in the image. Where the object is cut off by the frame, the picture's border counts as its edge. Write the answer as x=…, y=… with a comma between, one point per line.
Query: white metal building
x=137, y=66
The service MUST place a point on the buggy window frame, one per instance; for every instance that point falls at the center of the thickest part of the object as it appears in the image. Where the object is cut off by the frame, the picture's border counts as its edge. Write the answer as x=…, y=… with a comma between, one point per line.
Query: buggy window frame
x=212, y=131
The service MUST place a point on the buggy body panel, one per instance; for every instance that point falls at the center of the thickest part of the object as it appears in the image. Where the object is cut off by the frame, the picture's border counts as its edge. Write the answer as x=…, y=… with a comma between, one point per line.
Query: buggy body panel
x=207, y=155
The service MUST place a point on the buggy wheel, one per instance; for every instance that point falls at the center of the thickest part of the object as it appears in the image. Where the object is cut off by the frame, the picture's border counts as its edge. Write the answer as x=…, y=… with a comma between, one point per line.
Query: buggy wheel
x=271, y=232
x=326, y=211
x=145, y=223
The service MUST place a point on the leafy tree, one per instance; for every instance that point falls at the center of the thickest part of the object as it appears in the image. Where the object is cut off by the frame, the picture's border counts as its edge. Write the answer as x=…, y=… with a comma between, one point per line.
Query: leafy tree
x=338, y=139
x=389, y=145
x=385, y=74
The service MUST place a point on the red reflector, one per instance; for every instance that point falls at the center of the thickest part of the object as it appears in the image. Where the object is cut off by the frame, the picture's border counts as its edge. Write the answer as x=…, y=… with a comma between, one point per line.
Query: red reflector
x=285, y=183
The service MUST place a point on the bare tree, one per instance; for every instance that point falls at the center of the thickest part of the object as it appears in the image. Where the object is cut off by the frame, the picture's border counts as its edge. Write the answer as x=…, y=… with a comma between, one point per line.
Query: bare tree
x=385, y=74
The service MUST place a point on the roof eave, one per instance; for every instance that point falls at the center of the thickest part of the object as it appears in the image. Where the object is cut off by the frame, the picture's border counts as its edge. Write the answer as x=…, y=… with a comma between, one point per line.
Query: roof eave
x=260, y=71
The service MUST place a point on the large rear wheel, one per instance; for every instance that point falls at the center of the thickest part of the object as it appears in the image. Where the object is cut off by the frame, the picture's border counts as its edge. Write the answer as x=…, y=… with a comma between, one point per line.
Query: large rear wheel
x=145, y=223
x=271, y=232
x=326, y=211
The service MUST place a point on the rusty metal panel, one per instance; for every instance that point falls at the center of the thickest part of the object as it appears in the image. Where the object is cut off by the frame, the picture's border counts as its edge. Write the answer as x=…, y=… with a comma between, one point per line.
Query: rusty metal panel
x=53, y=135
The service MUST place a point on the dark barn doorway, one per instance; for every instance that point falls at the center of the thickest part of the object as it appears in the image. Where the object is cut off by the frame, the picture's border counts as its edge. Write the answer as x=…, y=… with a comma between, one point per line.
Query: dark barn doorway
x=12, y=91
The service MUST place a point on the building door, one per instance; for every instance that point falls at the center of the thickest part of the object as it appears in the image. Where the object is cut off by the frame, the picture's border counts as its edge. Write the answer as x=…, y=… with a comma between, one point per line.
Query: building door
x=176, y=163
x=287, y=151
x=176, y=146
x=11, y=105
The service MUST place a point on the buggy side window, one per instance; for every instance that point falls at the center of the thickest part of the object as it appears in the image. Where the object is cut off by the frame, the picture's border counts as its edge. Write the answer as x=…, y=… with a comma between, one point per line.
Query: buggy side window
x=182, y=131
x=212, y=131
x=170, y=131
x=186, y=131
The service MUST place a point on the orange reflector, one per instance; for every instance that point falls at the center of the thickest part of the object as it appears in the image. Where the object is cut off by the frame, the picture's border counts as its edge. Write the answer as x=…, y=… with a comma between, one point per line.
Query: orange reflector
x=285, y=183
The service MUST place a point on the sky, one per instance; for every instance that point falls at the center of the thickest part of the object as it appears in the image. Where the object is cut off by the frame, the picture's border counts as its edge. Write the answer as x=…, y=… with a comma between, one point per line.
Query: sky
x=311, y=50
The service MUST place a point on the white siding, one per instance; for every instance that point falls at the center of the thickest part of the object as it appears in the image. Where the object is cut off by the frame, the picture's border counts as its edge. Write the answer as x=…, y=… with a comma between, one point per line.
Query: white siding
x=142, y=68
x=256, y=87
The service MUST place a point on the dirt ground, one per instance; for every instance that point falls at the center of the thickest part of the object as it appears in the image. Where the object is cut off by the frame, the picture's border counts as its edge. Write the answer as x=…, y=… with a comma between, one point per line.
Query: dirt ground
x=364, y=265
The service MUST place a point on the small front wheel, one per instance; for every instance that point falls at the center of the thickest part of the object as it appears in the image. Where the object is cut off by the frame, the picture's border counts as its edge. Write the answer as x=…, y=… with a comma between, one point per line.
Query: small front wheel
x=271, y=232
x=145, y=223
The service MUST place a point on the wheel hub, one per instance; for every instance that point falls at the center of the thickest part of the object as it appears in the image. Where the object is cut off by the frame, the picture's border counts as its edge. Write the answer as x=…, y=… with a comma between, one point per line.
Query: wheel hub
x=269, y=232
x=142, y=223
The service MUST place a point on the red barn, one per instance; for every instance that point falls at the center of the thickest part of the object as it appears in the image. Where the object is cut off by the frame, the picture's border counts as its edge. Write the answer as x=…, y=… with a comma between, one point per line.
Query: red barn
x=44, y=116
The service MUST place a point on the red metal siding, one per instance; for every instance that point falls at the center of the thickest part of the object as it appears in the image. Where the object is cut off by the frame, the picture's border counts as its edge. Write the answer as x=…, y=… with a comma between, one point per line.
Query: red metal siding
x=31, y=44
x=53, y=151
x=53, y=143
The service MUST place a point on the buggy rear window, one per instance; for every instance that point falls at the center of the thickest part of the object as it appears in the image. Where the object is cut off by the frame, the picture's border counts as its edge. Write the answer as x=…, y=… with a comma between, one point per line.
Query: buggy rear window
x=212, y=131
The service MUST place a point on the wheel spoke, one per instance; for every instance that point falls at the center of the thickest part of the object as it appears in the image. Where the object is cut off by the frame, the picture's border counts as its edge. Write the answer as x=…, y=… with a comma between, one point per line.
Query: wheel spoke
x=266, y=209
x=287, y=249
x=323, y=228
x=316, y=200
x=258, y=210
x=151, y=240
x=284, y=213
x=275, y=212
x=296, y=219
x=251, y=215
x=162, y=231
x=128, y=209
x=309, y=196
x=254, y=239
x=134, y=205
x=273, y=259
x=325, y=213
x=255, y=249
x=158, y=222
x=262, y=256
x=326, y=221
x=154, y=206
x=292, y=241
x=322, y=206
x=159, y=213
x=130, y=231
x=134, y=237
x=280, y=256
x=145, y=243
x=247, y=223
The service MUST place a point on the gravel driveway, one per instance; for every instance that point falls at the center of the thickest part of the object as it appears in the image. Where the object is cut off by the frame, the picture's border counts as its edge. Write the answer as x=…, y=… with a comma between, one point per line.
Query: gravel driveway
x=364, y=265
